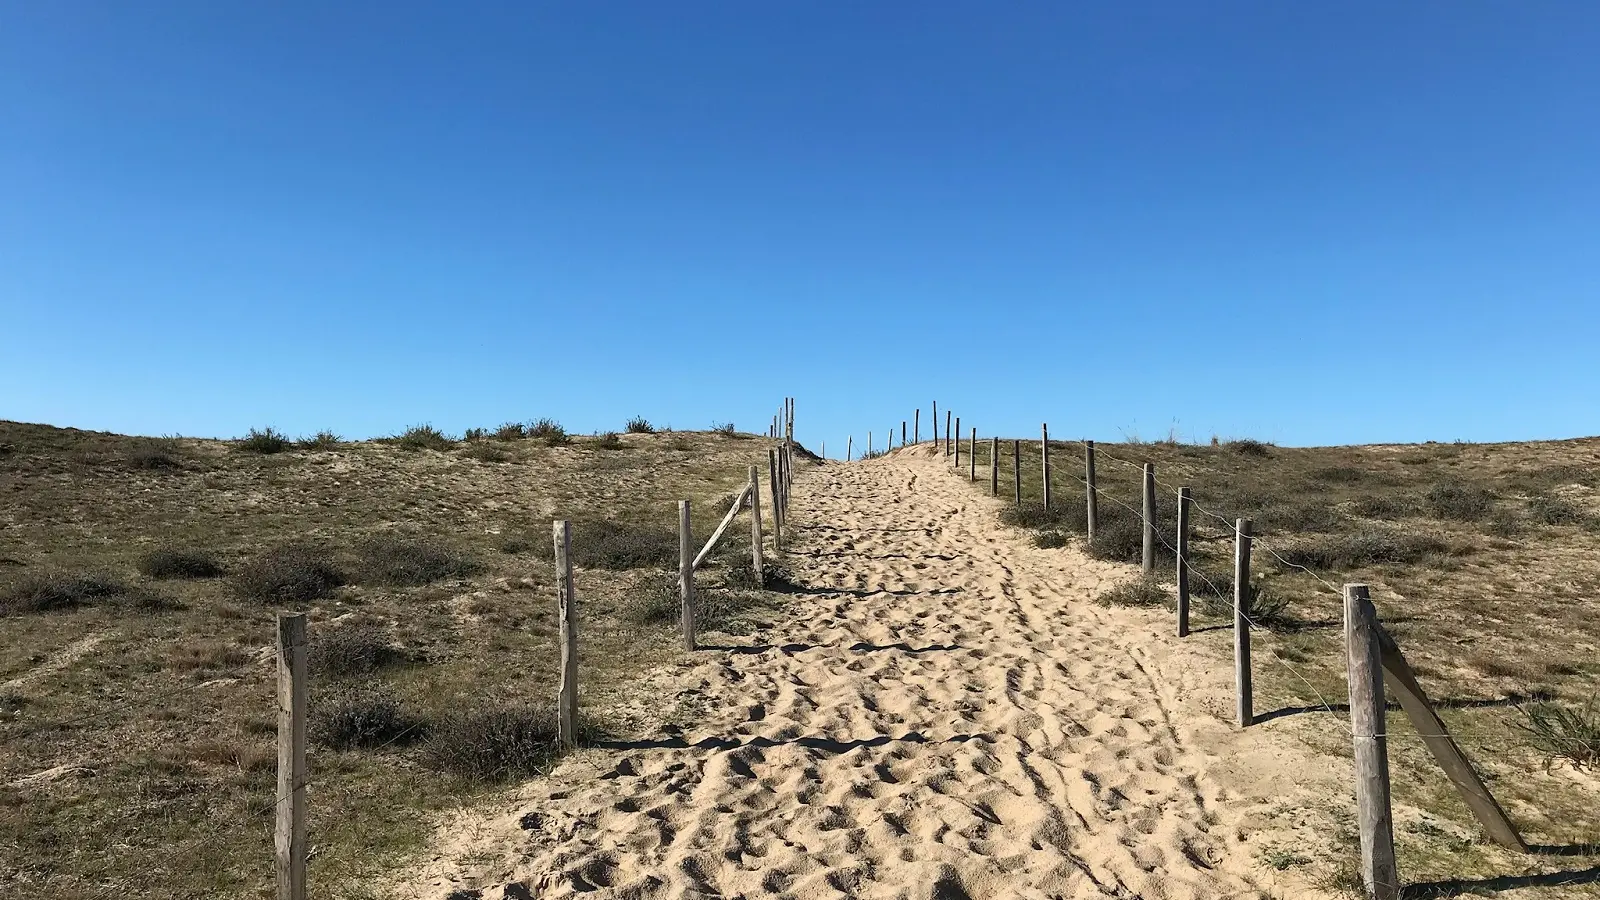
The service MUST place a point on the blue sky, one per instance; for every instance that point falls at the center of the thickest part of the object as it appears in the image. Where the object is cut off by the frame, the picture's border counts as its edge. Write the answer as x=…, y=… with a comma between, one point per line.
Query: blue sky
x=1310, y=223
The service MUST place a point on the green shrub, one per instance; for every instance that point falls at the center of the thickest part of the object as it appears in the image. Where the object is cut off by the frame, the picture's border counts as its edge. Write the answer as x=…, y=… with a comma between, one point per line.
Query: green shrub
x=424, y=437
x=1561, y=731
x=640, y=425
x=511, y=431
x=322, y=440
x=1459, y=501
x=1548, y=510
x=1142, y=591
x=295, y=573
x=403, y=561
x=549, y=431
x=264, y=441
x=365, y=718
x=1248, y=447
x=1361, y=549
x=495, y=744
x=1033, y=514
x=48, y=593
x=608, y=441
x=359, y=649
x=166, y=564
x=1050, y=540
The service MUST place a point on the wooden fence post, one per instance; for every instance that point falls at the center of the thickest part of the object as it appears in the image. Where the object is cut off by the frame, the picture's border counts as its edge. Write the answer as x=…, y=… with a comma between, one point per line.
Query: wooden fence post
x=972, y=456
x=902, y=433
x=1242, y=595
x=567, y=624
x=994, y=466
x=1093, y=500
x=686, y=575
x=935, y=422
x=756, y=561
x=1379, y=872
x=1183, y=561
x=1016, y=468
x=290, y=834
x=948, y=432
x=958, y=443
x=1044, y=461
x=849, y=447
x=916, y=426
x=1149, y=518
x=777, y=511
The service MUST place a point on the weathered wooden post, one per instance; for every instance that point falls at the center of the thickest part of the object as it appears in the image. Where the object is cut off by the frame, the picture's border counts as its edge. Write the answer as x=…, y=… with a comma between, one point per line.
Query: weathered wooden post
x=1183, y=561
x=916, y=426
x=849, y=447
x=958, y=443
x=902, y=433
x=1379, y=872
x=994, y=466
x=290, y=833
x=1093, y=498
x=1016, y=468
x=972, y=456
x=948, y=432
x=567, y=627
x=1149, y=518
x=1241, y=623
x=756, y=561
x=686, y=575
x=1044, y=461
x=777, y=510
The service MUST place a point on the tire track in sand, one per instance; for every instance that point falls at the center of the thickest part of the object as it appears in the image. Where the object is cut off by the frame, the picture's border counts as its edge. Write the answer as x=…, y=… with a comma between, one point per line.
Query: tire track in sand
x=946, y=717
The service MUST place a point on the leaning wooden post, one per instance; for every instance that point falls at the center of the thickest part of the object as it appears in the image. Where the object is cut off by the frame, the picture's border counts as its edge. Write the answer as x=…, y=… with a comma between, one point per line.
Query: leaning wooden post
x=1183, y=561
x=849, y=447
x=567, y=629
x=1093, y=498
x=1016, y=468
x=777, y=511
x=756, y=562
x=290, y=834
x=686, y=575
x=1149, y=518
x=916, y=426
x=972, y=456
x=1241, y=623
x=994, y=466
x=1379, y=873
x=1044, y=461
x=948, y=432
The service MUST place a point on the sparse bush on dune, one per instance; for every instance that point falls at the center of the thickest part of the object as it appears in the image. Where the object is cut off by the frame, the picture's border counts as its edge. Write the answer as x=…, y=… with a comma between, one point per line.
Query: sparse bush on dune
x=1248, y=447
x=640, y=425
x=179, y=564
x=608, y=441
x=293, y=573
x=1142, y=591
x=549, y=431
x=1119, y=536
x=1033, y=514
x=511, y=431
x=344, y=650
x=155, y=456
x=322, y=440
x=1460, y=501
x=1050, y=540
x=483, y=451
x=604, y=544
x=474, y=434
x=1564, y=731
x=362, y=718
x=48, y=593
x=407, y=561
x=495, y=744
x=264, y=441
x=723, y=428
x=654, y=600
x=424, y=437
x=1549, y=510
x=1361, y=548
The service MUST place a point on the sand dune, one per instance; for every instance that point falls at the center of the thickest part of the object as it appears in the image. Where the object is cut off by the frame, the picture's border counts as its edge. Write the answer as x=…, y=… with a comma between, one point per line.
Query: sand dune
x=946, y=716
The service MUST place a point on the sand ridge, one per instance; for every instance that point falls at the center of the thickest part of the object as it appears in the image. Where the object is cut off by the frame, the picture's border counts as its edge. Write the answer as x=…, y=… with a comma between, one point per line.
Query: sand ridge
x=948, y=716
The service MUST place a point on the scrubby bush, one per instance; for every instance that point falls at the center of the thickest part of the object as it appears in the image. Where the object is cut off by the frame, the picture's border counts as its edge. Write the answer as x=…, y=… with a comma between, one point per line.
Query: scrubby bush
x=295, y=573
x=166, y=564
x=1460, y=501
x=640, y=425
x=1050, y=540
x=1505, y=524
x=1261, y=607
x=1339, y=474
x=604, y=544
x=322, y=440
x=1287, y=517
x=474, y=434
x=155, y=456
x=654, y=600
x=550, y=432
x=495, y=744
x=1248, y=447
x=1548, y=510
x=1563, y=731
x=723, y=428
x=1143, y=591
x=365, y=718
x=1119, y=536
x=359, y=649
x=1033, y=514
x=485, y=452
x=264, y=441
x=1386, y=506
x=1362, y=548
x=608, y=441
x=424, y=437
x=511, y=431
x=47, y=593
x=402, y=561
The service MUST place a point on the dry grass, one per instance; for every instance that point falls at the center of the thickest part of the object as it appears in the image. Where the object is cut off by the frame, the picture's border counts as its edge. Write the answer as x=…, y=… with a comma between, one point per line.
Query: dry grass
x=426, y=608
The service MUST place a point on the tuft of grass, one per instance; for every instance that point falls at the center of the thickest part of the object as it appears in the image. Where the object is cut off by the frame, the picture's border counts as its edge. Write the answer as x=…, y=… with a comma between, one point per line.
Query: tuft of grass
x=1386, y=506
x=155, y=456
x=1362, y=548
x=550, y=432
x=424, y=437
x=495, y=744
x=1459, y=501
x=1338, y=475
x=1033, y=514
x=872, y=454
x=364, y=718
x=654, y=601
x=359, y=649
x=723, y=428
x=322, y=440
x=1505, y=524
x=402, y=561
x=1119, y=536
x=49, y=593
x=1562, y=731
x=485, y=452
x=265, y=441
x=1281, y=858
x=605, y=544
x=474, y=434
x=293, y=573
x=167, y=564
x=1050, y=540
x=511, y=431
x=1306, y=516
x=640, y=425
x=1548, y=510
x=608, y=441
x=1248, y=447
x=1142, y=591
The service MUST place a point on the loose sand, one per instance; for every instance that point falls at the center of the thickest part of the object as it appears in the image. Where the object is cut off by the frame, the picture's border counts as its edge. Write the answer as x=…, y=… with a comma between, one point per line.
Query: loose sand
x=947, y=715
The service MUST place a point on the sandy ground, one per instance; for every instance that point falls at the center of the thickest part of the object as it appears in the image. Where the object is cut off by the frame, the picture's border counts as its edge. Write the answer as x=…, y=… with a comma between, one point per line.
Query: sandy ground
x=947, y=715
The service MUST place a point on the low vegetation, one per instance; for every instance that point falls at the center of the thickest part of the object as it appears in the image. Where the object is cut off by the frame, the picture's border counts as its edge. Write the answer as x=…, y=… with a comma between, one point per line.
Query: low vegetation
x=549, y=432
x=265, y=441
x=168, y=564
x=495, y=744
x=640, y=425
x=293, y=573
x=424, y=437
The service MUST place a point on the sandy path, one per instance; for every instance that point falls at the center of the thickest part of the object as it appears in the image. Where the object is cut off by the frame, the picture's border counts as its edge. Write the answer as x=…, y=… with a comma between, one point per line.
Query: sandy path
x=950, y=717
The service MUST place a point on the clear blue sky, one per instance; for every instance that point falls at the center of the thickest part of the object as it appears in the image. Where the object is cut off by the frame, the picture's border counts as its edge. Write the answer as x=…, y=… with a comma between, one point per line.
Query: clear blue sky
x=1311, y=223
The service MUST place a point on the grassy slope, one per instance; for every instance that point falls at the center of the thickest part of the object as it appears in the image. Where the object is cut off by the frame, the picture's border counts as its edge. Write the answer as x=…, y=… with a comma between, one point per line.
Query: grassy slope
x=166, y=720
x=1506, y=608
